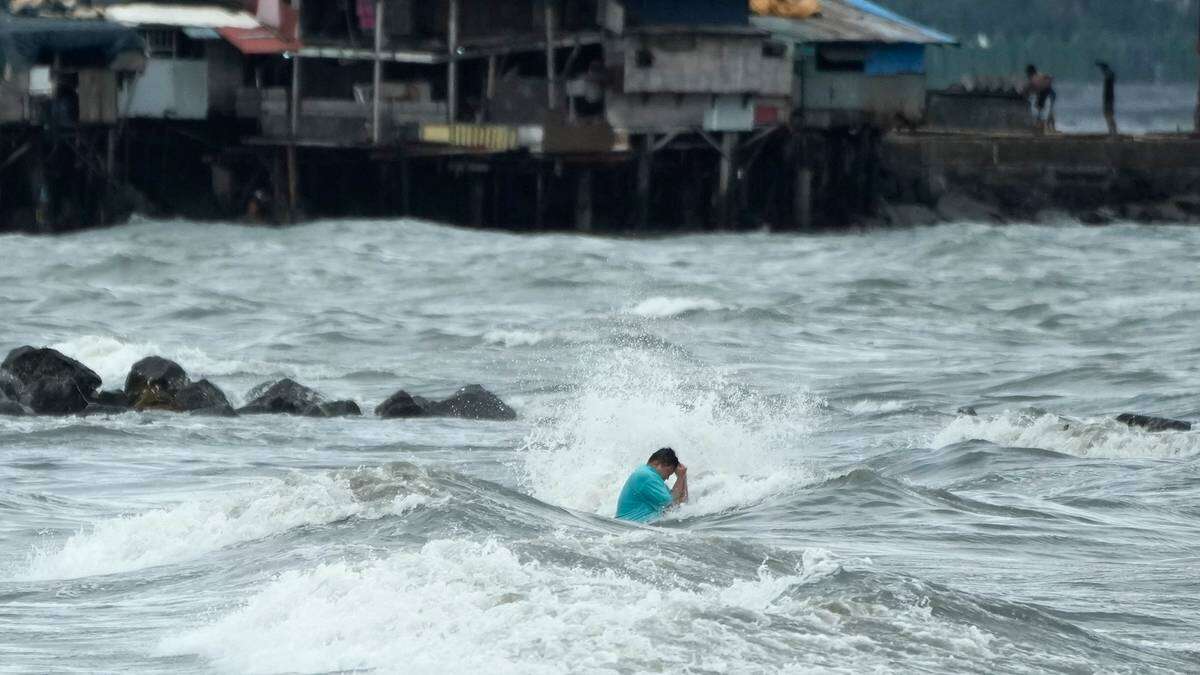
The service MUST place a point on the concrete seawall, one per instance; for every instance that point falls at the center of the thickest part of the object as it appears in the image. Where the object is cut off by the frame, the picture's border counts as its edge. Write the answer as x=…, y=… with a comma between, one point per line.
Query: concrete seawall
x=1097, y=179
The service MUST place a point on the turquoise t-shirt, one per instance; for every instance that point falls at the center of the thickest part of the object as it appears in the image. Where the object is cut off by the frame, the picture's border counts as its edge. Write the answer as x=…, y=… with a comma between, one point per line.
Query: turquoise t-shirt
x=644, y=497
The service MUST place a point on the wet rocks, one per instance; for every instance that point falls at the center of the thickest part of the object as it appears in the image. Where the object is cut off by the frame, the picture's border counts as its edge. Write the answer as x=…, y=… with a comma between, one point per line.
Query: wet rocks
x=154, y=382
x=203, y=398
x=10, y=407
x=475, y=403
x=967, y=411
x=1153, y=423
x=400, y=405
x=286, y=396
x=341, y=409
x=471, y=402
x=47, y=381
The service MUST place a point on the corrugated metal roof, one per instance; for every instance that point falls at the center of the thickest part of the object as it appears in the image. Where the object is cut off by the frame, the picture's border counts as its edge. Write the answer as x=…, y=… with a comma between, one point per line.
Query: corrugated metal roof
x=852, y=21
x=191, y=16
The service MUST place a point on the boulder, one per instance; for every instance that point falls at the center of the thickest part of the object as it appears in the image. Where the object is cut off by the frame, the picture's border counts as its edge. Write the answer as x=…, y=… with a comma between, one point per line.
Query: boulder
x=94, y=408
x=968, y=411
x=341, y=409
x=400, y=404
x=473, y=402
x=10, y=407
x=1153, y=423
x=283, y=397
x=203, y=398
x=154, y=382
x=55, y=396
x=48, y=381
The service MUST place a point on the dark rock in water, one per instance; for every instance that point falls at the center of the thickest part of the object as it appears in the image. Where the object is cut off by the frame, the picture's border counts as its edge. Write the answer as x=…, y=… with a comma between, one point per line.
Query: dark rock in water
x=10, y=407
x=341, y=409
x=283, y=397
x=55, y=396
x=112, y=398
x=400, y=404
x=153, y=383
x=473, y=402
x=9, y=386
x=48, y=381
x=967, y=410
x=102, y=409
x=1153, y=423
x=203, y=397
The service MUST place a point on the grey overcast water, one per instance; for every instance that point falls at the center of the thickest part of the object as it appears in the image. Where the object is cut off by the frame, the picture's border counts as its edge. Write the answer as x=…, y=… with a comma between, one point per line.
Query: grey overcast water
x=843, y=517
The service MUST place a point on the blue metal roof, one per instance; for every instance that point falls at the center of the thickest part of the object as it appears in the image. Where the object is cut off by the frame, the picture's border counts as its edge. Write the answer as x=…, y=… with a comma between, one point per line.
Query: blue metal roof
x=884, y=12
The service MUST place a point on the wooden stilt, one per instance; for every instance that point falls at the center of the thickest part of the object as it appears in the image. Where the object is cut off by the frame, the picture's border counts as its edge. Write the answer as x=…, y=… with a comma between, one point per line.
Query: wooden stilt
x=478, y=193
x=540, y=217
x=725, y=180
x=803, y=196
x=645, y=170
x=452, y=63
x=406, y=208
x=293, y=180
x=583, y=200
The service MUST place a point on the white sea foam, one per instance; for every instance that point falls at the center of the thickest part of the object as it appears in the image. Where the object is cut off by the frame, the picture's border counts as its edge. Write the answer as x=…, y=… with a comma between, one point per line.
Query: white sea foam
x=870, y=407
x=460, y=606
x=193, y=528
x=517, y=338
x=1100, y=437
x=740, y=448
x=662, y=307
x=112, y=358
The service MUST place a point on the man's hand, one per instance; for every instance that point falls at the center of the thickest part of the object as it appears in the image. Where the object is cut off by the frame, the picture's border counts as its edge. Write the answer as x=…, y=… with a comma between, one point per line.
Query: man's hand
x=681, y=471
x=679, y=493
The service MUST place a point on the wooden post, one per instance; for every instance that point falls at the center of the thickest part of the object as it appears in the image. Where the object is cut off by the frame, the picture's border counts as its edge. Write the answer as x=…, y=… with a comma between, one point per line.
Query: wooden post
x=728, y=147
x=377, y=75
x=406, y=187
x=452, y=64
x=293, y=180
x=296, y=75
x=1197, y=120
x=645, y=169
x=551, y=75
x=583, y=200
x=540, y=217
x=492, y=66
x=478, y=194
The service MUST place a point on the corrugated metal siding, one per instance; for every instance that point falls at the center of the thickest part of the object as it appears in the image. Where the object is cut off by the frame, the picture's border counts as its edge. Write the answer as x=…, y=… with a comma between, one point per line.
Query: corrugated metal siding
x=841, y=22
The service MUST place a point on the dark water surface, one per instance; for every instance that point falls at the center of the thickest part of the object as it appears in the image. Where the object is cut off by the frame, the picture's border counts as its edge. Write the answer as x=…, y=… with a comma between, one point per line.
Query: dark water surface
x=843, y=517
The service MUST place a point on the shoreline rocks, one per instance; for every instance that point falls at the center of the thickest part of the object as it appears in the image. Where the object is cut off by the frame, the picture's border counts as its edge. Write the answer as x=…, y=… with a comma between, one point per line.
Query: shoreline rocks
x=43, y=381
x=1150, y=423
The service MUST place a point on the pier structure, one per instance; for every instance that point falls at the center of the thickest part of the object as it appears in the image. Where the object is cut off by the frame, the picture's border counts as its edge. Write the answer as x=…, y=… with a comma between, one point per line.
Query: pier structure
x=593, y=115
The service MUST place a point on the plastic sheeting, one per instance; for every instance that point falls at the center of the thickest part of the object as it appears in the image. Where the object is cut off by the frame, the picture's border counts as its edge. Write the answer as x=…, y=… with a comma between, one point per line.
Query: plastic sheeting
x=792, y=9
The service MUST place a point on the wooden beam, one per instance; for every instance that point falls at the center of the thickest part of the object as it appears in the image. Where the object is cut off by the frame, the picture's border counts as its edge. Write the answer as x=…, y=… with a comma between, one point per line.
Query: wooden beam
x=377, y=75
x=551, y=74
x=645, y=169
x=728, y=148
x=296, y=74
x=452, y=64
x=583, y=200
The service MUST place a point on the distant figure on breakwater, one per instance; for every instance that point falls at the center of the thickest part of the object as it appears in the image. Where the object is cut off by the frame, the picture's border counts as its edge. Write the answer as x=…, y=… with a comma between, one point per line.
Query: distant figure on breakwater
x=1110, y=96
x=1041, y=87
x=645, y=495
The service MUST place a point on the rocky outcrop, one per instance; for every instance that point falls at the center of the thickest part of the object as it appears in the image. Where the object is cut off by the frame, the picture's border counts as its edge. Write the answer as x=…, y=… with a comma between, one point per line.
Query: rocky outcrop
x=475, y=403
x=48, y=382
x=1153, y=423
x=203, y=398
x=400, y=405
x=10, y=407
x=471, y=402
x=154, y=382
x=340, y=409
x=286, y=397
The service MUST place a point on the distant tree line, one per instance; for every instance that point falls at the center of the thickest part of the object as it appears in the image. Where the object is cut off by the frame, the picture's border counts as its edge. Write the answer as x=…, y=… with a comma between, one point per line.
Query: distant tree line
x=1144, y=40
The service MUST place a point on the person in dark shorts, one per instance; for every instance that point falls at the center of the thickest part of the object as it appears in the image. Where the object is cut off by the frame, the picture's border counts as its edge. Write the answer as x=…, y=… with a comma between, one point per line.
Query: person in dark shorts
x=1041, y=87
x=1110, y=96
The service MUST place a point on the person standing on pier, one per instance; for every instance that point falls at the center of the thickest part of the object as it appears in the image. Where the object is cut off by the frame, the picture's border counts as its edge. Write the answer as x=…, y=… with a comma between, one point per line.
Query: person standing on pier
x=1110, y=97
x=1041, y=87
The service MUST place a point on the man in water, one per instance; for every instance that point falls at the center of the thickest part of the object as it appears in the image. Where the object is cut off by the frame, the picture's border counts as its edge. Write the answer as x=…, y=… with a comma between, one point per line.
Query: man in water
x=1041, y=87
x=1110, y=96
x=645, y=495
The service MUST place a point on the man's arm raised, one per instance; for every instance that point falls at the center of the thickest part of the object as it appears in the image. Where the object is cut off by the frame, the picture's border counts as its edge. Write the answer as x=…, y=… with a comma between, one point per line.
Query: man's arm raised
x=679, y=493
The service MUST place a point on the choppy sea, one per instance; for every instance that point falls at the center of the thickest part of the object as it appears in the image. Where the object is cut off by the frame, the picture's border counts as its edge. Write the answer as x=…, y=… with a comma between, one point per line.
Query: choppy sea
x=844, y=517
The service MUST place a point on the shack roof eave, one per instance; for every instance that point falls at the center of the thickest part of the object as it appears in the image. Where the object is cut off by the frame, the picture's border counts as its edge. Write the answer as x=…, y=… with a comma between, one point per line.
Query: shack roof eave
x=469, y=49
x=696, y=29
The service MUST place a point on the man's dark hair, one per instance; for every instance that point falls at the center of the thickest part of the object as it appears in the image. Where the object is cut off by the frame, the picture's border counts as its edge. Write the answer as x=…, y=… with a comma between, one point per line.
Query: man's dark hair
x=664, y=456
x=1030, y=69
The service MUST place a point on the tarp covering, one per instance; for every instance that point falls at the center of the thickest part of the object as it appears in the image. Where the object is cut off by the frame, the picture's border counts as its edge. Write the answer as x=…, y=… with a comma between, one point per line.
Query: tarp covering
x=901, y=59
x=36, y=40
x=194, y=16
x=793, y=9
x=851, y=21
x=261, y=40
